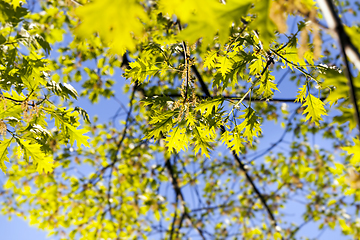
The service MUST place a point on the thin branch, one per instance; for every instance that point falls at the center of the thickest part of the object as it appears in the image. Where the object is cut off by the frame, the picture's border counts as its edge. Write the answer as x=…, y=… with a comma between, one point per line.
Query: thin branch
x=294, y=65
x=118, y=145
x=180, y=196
x=256, y=190
x=290, y=100
x=347, y=48
x=242, y=166
x=202, y=84
x=293, y=232
x=280, y=139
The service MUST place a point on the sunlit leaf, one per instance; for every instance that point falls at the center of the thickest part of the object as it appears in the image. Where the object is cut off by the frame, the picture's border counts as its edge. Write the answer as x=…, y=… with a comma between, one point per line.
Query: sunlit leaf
x=314, y=108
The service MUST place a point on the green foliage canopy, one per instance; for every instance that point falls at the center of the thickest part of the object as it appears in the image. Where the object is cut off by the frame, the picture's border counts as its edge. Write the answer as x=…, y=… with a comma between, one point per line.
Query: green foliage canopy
x=201, y=80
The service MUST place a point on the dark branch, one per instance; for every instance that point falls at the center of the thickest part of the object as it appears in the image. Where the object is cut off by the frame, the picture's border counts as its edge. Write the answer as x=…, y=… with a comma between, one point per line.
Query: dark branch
x=335, y=25
x=237, y=159
x=202, y=84
x=347, y=49
x=291, y=100
x=180, y=196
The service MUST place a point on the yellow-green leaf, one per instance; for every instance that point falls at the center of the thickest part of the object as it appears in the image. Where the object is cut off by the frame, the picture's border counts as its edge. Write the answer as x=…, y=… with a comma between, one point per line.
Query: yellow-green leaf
x=208, y=105
x=301, y=94
x=4, y=145
x=267, y=86
x=43, y=163
x=141, y=70
x=177, y=139
x=355, y=151
x=250, y=126
x=263, y=22
x=314, y=109
x=77, y=135
x=210, y=59
x=117, y=24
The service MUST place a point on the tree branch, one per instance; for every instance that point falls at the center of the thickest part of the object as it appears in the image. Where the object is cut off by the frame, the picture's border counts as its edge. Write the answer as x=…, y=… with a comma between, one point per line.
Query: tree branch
x=336, y=27
x=291, y=100
x=240, y=163
x=180, y=196
x=347, y=48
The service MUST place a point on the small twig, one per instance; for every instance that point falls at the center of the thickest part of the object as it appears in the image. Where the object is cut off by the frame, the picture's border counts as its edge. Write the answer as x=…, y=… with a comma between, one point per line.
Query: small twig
x=293, y=232
x=268, y=62
x=280, y=139
x=294, y=65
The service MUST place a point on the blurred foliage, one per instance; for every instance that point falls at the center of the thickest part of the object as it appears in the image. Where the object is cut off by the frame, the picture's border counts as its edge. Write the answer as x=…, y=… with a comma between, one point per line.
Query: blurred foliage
x=185, y=161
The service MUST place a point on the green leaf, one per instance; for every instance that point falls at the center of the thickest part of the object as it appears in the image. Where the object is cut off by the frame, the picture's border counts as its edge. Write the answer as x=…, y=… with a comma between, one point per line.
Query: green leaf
x=267, y=86
x=83, y=113
x=277, y=236
x=257, y=66
x=208, y=105
x=191, y=119
x=336, y=82
x=224, y=65
x=43, y=43
x=196, y=14
x=98, y=17
x=33, y=150
x=157, y=102
x=301, y=94
x=353, y=33
x=4, y=145
x=355, y=151
x=2, y=39
x=314, y=110
x=77, y=135
x=202, y=140
x=141, y=70
x=177, y=139
x=263, y=22
x=250, y=125
x=64, y=90
x=233, y=141
x=290, y=53
x=162, y=123
x=32, y=76
x=210, y=59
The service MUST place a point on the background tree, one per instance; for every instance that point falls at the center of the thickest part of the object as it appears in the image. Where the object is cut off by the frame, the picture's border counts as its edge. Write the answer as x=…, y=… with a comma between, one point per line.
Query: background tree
x=185, y=161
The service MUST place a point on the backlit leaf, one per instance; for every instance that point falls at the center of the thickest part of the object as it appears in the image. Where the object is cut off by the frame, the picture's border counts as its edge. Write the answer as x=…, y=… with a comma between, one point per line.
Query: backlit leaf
x=208, y=105
x=314, y=109
x=42, y=162
x=177, y=140
x=264, y=23
x=301, y=94
x=210, y=59
x=250, y=126
x=77, y=135
x=354, y=151
x=4, y=145
x=141, y=70
x=98, y=17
